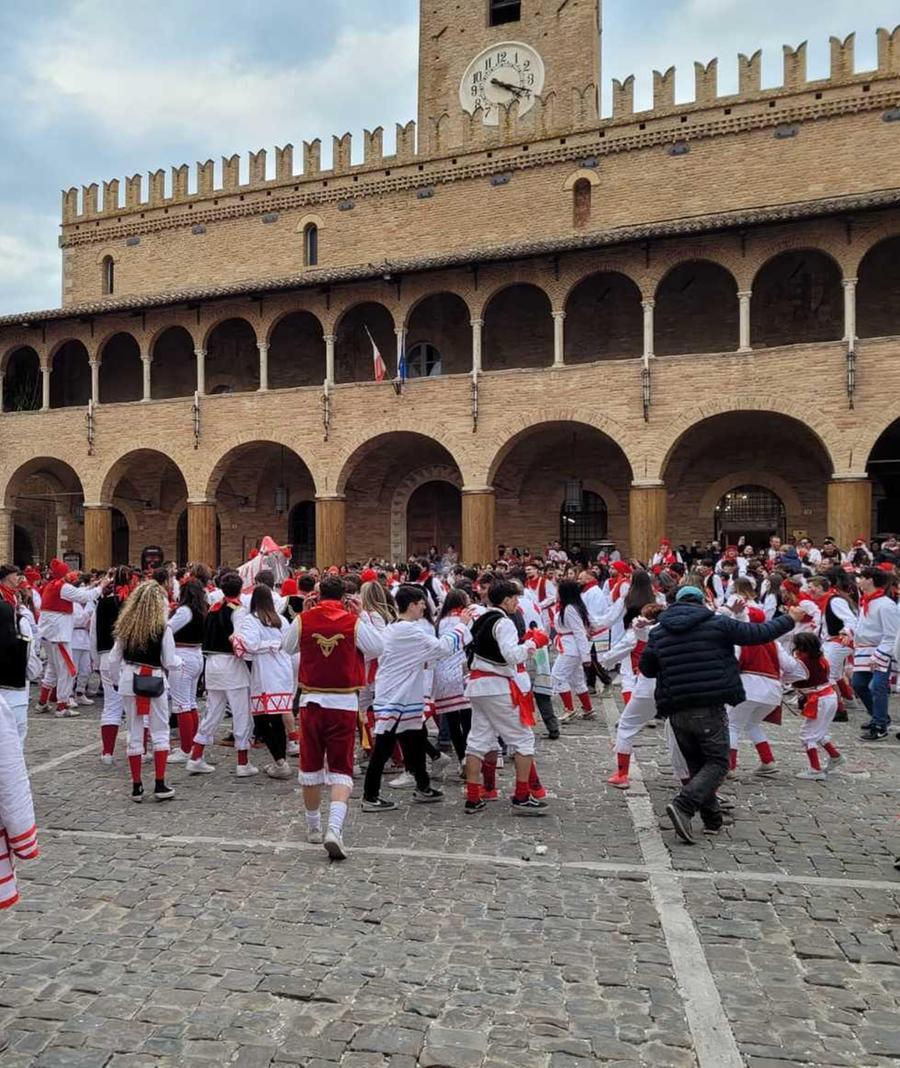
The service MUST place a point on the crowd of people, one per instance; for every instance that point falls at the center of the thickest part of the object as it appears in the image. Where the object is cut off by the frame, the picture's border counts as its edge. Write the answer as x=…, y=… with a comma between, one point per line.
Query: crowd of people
x=362, y=669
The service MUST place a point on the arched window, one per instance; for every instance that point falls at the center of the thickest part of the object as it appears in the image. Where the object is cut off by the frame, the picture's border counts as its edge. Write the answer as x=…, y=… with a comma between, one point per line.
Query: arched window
x=423, y=361
x=581, y=200
x=752, y=512
x=583, y=522
x=310, y=245
x=108, y=270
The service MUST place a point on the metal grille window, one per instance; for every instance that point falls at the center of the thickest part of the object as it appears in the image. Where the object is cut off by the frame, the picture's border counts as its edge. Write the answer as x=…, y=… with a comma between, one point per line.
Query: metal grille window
x=750, y=510
x=503, y=11
x=585, y=524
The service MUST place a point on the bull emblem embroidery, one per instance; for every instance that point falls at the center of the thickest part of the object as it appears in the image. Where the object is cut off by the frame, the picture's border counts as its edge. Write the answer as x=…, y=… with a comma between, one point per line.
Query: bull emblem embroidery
x=328, y=645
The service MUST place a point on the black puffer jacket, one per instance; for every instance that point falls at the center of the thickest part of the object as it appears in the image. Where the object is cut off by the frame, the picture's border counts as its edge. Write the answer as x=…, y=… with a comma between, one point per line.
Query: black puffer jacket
x=690, y=653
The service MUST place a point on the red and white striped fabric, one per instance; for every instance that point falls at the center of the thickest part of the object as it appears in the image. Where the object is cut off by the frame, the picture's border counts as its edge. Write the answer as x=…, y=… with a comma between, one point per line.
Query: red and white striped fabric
x=18, y=833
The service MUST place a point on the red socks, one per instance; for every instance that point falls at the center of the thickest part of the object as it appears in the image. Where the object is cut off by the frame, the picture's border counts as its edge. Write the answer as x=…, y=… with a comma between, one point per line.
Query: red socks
x=585, y=699
x=845, y=688
x=134, y=762
x=626, y=696
x=765, y=752
x=813, y=755
x=732, y=759
x=243, y=757
x=489, y=771
x=108, y=734
x=186, y=730
x=293, y=736
x=197, y=751
x=832, y=750
x=522, y=790
x=566, y=699
x=534, y=780
x=44, y=695
x=623, y=763
x=473, y=791
x=160, y=757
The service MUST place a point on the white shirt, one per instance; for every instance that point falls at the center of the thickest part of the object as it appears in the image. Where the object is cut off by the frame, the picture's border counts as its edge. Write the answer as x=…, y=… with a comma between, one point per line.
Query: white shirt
x=400, y=680
x=58, y=626
x=507, y=638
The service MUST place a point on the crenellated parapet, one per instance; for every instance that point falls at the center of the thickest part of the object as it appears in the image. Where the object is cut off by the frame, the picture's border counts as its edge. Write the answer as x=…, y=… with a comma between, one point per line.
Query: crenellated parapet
x=554, y=114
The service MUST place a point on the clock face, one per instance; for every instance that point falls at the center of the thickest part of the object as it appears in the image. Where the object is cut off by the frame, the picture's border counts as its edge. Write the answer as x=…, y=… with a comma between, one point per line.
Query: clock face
x=502, y=74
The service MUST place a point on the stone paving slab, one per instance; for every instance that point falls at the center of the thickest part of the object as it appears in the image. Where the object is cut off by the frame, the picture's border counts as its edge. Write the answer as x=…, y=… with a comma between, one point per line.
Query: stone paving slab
x=445, y=940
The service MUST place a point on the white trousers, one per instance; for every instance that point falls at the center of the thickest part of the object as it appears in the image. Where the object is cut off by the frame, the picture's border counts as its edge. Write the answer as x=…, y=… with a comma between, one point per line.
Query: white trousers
x=183, y=681
x=493, y=716
x=814, y=732
x=242, y=724
x=56, y=673
x=82, y=658
x=745, y=720
x=568, y=675
x=637, y=714
x=836, y=654
x=18, y=703
x=157, y=722
x=113, y=710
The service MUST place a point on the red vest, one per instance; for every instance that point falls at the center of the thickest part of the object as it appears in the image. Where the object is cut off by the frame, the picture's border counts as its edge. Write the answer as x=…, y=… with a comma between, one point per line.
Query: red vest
x=51, y=600
x=818, y=672
x=329, y=659
x=760, y=660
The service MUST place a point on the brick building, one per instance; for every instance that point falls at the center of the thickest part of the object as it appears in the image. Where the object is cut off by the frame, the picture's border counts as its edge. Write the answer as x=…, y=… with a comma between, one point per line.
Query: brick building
x=682, y=321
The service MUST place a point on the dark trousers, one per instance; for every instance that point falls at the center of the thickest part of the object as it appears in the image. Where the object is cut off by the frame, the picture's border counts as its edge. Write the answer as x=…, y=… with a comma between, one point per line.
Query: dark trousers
x=413, y=745
x=594, y=671
x=270, y=731
x=702, y=736
x=459, y=723
x=544, y=704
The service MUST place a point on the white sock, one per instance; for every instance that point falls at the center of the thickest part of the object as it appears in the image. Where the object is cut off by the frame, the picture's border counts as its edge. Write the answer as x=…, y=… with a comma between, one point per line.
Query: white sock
x=314, y=819
x=336, y=816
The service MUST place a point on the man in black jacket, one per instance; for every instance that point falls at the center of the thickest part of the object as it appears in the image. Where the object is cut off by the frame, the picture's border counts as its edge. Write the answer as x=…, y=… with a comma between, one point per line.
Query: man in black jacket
x=690, y=653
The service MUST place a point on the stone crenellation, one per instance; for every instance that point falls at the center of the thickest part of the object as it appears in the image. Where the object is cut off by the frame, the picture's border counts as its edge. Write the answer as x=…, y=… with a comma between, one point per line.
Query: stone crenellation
x=554, y=114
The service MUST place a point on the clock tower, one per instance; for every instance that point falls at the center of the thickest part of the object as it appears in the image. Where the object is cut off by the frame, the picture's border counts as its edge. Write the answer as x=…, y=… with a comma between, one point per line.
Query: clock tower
x=488, y=52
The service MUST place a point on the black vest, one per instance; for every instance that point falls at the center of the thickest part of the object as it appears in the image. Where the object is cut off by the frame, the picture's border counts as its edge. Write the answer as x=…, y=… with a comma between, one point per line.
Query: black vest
x=484, y=644
x=13, y=650
x=218, y=628
x=833, y=625
x=191, y=633
x=106, y=616
x=150, y=654
x=293, y=608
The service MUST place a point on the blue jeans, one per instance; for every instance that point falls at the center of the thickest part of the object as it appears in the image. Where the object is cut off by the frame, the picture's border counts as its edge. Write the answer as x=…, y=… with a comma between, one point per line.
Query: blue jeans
x=873, y=689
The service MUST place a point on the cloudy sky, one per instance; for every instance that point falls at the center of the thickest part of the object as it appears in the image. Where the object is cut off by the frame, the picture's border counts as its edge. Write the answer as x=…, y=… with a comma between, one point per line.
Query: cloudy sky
x=96, y=89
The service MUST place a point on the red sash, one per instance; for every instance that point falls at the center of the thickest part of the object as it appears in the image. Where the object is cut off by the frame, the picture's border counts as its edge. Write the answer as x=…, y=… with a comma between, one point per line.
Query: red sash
x=811, y=704
x=523, y=701
x=142, y=704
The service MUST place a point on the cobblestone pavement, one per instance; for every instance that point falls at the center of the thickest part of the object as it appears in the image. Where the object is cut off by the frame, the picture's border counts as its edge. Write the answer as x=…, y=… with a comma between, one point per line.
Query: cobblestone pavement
x=206, y=932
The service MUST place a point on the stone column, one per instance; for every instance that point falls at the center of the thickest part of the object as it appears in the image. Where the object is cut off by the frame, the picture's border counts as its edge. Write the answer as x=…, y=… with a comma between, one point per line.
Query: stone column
x=331, y=532
x=97, y=536
x=559, y=338
x=744, y=299
x=648, y=306
x=45, y=389
x=477, y=327
x=647, y=512
x=329, y=359
x=1, y=391
x=201, y=523
x=200, y=354
x=849, y=510
x=849, y=285
x=146, y=361
x=477, y=525
x=263, y=366
x=7, y=532
x=95, y=381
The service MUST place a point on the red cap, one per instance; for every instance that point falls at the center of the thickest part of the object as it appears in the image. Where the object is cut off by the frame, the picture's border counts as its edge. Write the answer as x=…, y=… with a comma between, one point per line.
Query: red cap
x=289, y=588
x=886, y=566
x=369, y=575
x=621, y=567
x=58, y=569
x=32, y=574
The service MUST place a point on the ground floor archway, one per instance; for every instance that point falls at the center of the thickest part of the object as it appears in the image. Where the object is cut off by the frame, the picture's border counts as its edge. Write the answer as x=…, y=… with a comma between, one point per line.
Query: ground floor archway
x=47, y=499
x=302, y=527
x=434, y=518
x=753, y=513
x=884, y=471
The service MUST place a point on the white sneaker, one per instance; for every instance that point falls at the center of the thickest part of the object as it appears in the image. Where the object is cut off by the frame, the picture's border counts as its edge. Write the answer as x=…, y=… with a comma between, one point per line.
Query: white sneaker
x=199, y=767
x=334, y=845
x=246, y=771
x=811, y=773
x=41, y=707
x=147, y=758
x=278, y=770
x=403, y=781
x=835, y=762
x=178, y=756
x=314, y=835
x=107, y=759
x=83, y=700
x=766, y=769
x=437, y=765
x=67, y=713
x=293, y=749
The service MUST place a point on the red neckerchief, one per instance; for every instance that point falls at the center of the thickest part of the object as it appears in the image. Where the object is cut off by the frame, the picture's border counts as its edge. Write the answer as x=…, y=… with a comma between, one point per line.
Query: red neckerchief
x=615, y=587
x=9, y=596
x=235, y=602
x=819, y=600
x=122, y=592
x=866, y=599
x=589, y=585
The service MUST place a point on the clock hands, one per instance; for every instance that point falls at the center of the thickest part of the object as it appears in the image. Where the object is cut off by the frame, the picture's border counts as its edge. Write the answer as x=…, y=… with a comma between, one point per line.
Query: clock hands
x=519, y=90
